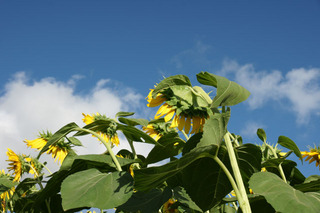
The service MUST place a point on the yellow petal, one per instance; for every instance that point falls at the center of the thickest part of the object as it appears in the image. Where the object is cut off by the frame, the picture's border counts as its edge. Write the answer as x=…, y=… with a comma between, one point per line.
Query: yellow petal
x=187, y=125
x=169, y=116
x=182, y=121
x=174, y=122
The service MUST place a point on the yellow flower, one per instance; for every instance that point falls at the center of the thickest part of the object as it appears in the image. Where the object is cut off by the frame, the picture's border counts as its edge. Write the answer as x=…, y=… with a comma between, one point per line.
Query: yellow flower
x=7, y=194
x=88, y=119
x=167, y=206
x=38, y=143
x=313, y=155
x=153, y=102
x=110, y=136
x=150, y=130
x=184, y=119
x=15, y=165
x=58, y=151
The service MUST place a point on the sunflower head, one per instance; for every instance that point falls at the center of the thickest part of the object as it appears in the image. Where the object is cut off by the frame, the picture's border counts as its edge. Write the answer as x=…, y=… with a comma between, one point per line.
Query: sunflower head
x=184, y=105
x=157, y=128
x=312, y=155
x=58, y=150
x=108, y=133
x=18, y=164
x=168, y=208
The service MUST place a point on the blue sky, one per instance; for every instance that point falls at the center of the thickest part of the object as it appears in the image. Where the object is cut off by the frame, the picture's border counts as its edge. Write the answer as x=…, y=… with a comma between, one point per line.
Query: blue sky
x=61, y=58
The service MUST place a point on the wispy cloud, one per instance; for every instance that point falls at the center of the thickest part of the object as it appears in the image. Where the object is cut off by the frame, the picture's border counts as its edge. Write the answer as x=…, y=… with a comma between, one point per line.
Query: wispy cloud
x=196, y=54
x=298, y=89
x=28, y=106
x=249, y=129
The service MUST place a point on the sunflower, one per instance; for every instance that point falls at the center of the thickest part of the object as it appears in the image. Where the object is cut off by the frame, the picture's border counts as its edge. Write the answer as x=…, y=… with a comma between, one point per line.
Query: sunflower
x=312, y=155
x=58, y=151
x=7, y=194
x=151, y=130
x=110, y=134
x=167, y=206
x=16, y=164
x=185, y=116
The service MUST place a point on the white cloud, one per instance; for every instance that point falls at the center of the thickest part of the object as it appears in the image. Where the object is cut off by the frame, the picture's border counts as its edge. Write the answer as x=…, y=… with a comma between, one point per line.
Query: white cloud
x=196, y=54
x=250, y=129
x=27, y=107
x=299, y=87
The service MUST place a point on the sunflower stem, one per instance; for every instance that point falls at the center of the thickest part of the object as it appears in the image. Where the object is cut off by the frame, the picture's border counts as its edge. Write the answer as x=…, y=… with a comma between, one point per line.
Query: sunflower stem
x=242, y=196
x=44, y=166
x=229, y=176
x=185, y=135
x=276, y=156
x=40, y=184
x=107, y=145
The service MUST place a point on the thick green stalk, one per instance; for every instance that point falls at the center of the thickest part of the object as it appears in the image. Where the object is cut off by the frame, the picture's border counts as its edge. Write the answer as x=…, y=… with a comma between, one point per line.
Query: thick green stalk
x=229, y=176
x=244, y=201
x=107, y=145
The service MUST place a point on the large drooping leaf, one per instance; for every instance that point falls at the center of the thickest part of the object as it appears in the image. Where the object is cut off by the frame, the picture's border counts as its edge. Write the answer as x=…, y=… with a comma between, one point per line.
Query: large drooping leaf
x=146, y=201
x=205, y=181
x=288, y=143
x=214, y=129
x=58, y=135
x=78, y=163
x=249, y=160
x=283, y=197
x=172, y=145
x=149, y=178
x=171, y=81
x=229, y=93
x=95, y=189
x=182, y=196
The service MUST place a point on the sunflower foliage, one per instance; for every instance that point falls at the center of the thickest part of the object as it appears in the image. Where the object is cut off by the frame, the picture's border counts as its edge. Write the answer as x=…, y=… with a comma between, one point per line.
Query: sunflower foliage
x=195, y=165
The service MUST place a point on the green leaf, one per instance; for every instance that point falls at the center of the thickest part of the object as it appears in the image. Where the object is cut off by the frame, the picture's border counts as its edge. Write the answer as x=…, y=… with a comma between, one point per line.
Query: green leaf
x=205, y=181
x=171, y=81
x=146, y=202
x=148, y=178
x=311, y=184
x=229, y=93
x=134, y=134
x=288, y=143
x=58, y=135
x=95, y=189
x=124, y=114
x=172, y=145
x=182, y=196
x=6, y=183
x=96, y=126
x=262, y=135
x=134, y=121
x=74, y=141
x=214, y=129
x=249, y=160
x=282, y=196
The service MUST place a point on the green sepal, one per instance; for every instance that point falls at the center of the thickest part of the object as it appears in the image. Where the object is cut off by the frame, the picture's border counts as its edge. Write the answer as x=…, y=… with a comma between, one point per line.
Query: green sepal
x=124, y=114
